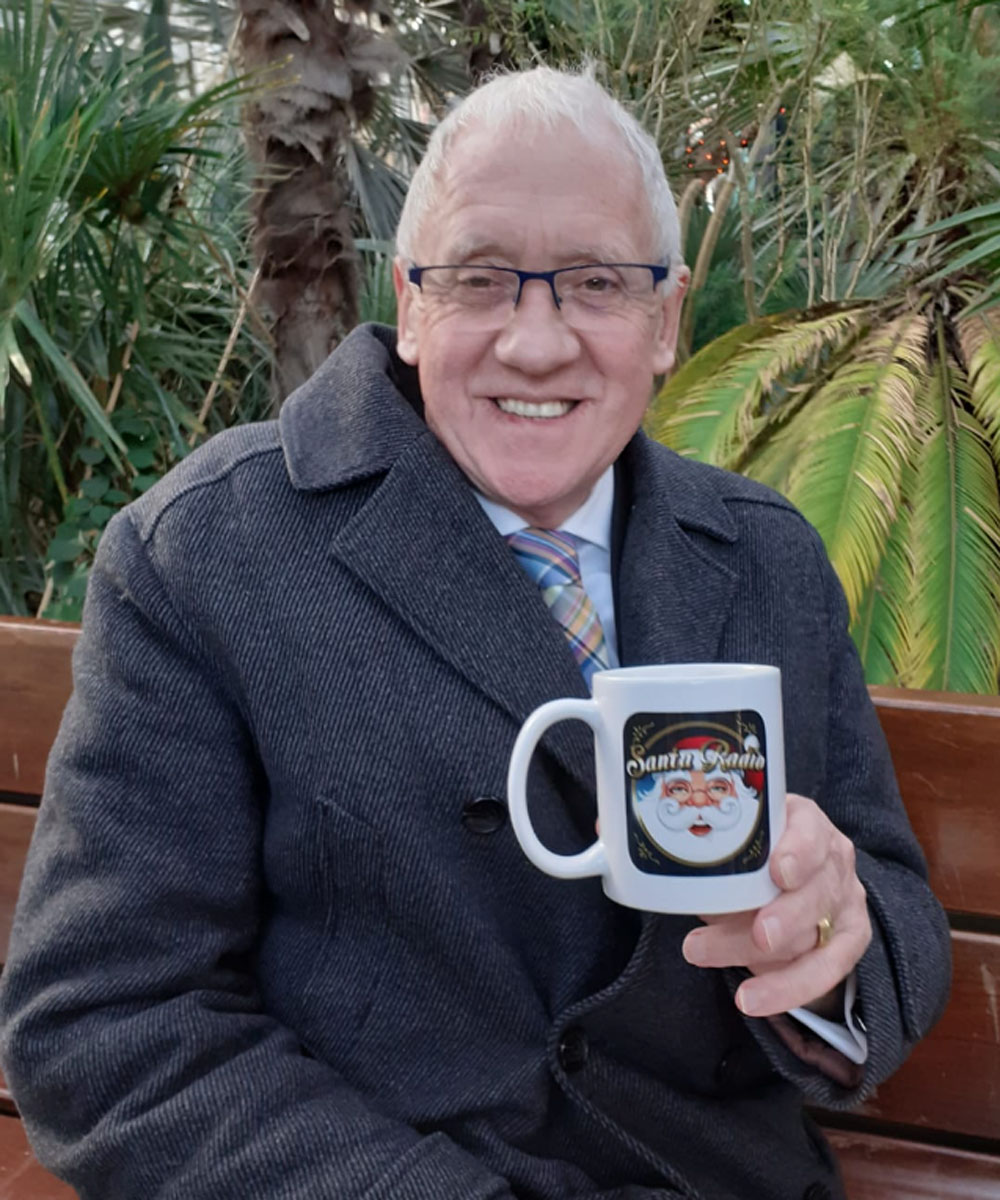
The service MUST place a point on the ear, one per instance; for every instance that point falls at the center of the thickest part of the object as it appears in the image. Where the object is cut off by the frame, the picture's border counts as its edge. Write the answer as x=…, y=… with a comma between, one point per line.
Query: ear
x=407, y=316
x=664, y=351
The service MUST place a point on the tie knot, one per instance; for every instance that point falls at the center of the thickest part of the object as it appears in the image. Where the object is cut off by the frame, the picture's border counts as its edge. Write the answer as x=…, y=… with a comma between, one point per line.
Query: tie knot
x=548, y=556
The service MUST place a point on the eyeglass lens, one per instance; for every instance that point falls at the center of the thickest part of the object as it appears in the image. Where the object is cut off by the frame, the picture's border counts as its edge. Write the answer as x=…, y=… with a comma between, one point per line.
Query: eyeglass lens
x=584, y=294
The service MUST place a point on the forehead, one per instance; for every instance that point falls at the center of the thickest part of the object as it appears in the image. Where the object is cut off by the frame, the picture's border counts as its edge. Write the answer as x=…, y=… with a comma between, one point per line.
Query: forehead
x=539, y=192
x=696, y=772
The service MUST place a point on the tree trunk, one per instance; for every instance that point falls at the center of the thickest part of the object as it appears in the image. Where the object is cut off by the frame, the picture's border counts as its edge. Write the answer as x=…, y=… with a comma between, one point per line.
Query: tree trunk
x=326, y=60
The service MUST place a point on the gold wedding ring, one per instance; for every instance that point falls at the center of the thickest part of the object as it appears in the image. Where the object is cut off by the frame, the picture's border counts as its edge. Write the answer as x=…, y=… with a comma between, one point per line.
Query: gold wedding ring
x=824, y=931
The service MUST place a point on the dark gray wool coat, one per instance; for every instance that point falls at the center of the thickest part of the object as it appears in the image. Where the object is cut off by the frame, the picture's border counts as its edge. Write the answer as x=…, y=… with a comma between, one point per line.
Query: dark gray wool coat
x=276, y=939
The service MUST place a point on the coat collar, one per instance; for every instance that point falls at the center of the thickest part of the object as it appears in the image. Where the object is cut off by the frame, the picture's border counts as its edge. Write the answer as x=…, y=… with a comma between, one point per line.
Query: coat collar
x=675, y=581
x=424, y=546
x=354, y=417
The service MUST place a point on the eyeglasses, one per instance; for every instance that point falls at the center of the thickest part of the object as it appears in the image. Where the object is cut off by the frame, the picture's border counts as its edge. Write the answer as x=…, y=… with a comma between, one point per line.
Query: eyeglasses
x=585, y=295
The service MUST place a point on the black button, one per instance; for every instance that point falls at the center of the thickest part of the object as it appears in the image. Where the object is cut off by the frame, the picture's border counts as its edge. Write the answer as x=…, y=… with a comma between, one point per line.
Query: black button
x=485, y=814
x=817, y=1191
x=573, y=1049
x=728, y=1069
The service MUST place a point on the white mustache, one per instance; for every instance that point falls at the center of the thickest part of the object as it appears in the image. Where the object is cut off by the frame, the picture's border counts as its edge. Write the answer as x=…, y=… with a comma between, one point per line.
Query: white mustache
x=677, y=816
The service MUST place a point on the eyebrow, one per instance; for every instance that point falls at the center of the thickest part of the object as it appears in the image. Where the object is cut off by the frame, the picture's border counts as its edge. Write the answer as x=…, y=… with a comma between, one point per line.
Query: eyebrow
x=472, y=247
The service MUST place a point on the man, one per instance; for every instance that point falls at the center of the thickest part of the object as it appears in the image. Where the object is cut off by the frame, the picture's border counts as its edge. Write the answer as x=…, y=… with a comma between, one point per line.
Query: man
x=276, y=938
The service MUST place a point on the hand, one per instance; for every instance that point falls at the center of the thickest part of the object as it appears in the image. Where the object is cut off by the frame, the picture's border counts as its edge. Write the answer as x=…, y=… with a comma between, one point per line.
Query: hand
x=813, y=864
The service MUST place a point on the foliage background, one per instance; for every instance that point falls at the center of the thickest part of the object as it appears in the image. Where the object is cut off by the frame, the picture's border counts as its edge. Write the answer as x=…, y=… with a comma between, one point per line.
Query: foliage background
x=197, y=198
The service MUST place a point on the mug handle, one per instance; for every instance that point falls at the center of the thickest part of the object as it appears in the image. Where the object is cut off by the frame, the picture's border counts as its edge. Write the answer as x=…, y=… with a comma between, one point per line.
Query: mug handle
x=593, y=860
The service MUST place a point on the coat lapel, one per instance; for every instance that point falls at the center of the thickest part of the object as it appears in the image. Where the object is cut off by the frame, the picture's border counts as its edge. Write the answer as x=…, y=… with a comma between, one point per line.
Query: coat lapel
x=675, y=588
x=426, y=548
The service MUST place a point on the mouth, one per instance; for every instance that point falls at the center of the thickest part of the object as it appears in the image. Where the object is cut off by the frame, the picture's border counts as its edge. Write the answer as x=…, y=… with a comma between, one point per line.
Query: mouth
x=699, y=830
x=537, y=410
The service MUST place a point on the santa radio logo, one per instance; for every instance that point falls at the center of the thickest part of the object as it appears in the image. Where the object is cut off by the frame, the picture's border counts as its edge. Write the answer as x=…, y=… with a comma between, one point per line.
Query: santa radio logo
x=697, y=792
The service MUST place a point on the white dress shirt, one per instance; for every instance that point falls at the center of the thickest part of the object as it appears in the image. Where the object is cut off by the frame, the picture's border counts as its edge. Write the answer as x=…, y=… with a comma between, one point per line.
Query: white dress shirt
x=590, y=527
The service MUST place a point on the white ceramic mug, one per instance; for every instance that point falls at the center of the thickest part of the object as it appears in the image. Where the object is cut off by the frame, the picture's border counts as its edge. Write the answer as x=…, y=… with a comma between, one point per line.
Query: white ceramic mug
x=690, y=786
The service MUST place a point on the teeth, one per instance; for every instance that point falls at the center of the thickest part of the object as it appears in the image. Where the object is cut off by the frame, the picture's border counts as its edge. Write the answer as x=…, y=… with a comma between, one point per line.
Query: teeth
x=524, y=408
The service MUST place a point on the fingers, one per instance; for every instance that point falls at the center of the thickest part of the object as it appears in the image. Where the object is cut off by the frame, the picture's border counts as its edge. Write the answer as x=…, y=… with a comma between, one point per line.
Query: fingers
x=778, y=985
x=804, y=844
x=814, y=865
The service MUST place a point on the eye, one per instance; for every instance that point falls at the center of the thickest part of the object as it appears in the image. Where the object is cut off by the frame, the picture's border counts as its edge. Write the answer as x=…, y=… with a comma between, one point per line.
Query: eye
x=676, y=790
x=477, y=280
x=720, y=788
x=598, y=283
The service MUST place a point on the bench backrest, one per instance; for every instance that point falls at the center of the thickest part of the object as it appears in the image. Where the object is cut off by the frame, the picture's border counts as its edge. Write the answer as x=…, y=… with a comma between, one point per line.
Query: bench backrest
x=35, y=682
x=946, y=748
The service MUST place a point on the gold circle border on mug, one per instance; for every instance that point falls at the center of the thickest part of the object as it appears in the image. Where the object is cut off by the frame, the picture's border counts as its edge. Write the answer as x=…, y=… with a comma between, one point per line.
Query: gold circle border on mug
x=677, y=727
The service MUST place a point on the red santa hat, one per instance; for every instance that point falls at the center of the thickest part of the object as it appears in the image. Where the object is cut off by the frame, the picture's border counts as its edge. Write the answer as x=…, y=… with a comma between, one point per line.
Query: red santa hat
x=724, y=745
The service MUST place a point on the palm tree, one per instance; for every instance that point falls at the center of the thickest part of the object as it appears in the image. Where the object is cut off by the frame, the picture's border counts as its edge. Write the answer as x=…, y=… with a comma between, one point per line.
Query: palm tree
x=336, y=126
x=322, y=135
x=297, y=130
x=860, y=221
x=881, y=422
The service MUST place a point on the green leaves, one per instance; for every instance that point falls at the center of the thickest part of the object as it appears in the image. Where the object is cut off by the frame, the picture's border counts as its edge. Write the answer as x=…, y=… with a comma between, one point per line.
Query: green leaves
x=976, y=250
x=69, y=374
x=846, y=475
x=955, y=544
x=123, y=279
x=718, y=401
x=883, y=427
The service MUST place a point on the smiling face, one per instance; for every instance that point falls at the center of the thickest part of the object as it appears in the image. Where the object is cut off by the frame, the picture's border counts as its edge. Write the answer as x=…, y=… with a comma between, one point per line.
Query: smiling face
x=700, y=817
x=534, y=410
x=701, y=798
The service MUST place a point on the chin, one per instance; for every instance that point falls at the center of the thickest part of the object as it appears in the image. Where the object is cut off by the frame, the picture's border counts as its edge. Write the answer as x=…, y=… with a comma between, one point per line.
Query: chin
x=715, y=847
x=537, y=504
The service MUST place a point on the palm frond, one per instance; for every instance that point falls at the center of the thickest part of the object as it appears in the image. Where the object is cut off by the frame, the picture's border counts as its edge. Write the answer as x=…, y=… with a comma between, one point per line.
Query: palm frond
x=696, y=371
x=715, y=405
x=882, y=627
x=778, y=449
x=380, y=189
x=956, y=547
x=846, y=478
x=980, y=339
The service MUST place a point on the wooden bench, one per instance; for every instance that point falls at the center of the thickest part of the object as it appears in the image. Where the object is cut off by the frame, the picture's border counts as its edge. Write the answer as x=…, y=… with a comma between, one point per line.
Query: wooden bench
x=34, y=685
x=932, y=1131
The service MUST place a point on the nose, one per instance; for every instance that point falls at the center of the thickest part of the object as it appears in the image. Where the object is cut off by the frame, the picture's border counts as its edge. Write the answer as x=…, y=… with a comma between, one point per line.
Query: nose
x=536, y=339
x=699, y=798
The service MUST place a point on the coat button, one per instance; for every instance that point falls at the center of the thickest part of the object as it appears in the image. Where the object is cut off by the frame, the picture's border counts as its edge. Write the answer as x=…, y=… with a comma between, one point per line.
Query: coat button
x=485, y=814
x=573, y=1050
x=727, y=1070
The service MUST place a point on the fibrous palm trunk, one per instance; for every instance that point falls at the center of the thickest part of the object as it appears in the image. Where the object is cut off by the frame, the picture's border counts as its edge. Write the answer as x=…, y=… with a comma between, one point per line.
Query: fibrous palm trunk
x=328, y=59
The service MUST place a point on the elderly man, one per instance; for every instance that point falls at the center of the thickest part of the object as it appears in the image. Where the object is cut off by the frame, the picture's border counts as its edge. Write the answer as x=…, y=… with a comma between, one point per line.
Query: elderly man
x=276, y=938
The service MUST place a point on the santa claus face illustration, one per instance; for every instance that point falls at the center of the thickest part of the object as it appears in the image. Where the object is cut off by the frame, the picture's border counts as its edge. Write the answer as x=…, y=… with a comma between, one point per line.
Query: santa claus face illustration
x=701, y=816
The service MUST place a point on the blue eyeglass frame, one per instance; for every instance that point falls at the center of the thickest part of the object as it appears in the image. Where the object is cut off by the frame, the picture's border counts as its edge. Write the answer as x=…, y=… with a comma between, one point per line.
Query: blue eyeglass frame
x=659, y=273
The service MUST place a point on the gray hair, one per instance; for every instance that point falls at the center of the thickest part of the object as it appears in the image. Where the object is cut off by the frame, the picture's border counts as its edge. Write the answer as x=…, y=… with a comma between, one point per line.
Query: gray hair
x=543, y=97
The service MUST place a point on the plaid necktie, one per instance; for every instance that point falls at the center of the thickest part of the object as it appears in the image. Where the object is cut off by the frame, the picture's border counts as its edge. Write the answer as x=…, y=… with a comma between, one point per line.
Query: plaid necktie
x=550, y=559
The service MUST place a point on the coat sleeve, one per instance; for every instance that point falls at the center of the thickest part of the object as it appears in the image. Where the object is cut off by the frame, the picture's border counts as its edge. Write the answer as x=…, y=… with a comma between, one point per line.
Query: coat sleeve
x=904, y=976
x=135, y=1041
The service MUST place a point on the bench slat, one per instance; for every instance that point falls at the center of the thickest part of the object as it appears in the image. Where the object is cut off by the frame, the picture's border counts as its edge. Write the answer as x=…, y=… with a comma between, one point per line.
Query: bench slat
x=16, y=826
x=880, y=1168
x=946, y=751
x=951, y=1081
x=36, y=685
x=21, y=1178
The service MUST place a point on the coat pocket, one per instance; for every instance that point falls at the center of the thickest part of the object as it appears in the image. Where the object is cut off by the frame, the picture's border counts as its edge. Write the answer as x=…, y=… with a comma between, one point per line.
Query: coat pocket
x=348, y=863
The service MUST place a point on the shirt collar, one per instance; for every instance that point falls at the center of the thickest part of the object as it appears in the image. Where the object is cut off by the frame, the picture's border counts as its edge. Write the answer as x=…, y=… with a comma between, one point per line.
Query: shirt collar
x=591, y=522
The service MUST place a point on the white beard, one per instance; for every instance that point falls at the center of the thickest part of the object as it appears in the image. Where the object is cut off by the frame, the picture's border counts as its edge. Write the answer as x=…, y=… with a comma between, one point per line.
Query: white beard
x=667, y=823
